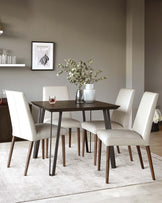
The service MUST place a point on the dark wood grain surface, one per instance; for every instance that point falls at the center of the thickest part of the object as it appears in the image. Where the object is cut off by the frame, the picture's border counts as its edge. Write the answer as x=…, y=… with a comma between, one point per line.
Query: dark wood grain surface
x=70, y=105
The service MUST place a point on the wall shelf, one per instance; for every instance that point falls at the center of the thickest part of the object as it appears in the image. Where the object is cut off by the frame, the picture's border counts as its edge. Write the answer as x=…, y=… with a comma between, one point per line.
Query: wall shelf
x=12, y=65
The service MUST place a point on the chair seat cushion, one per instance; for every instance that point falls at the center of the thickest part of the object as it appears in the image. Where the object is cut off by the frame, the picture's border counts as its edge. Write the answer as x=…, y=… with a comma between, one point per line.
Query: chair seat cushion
x=93, y=126
x=121, y=137
x=65, y=122
x=43, y=131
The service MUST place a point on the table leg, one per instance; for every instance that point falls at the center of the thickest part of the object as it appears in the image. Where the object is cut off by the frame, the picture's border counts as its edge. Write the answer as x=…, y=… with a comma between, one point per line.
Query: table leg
x=50, y=146
x=86, y=139
x=41, y=113
x=108, y=126
x=56, y=145
x=90, y=132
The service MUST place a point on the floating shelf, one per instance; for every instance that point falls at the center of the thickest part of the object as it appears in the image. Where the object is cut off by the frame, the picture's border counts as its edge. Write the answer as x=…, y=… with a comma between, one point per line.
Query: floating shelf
x=12, y=65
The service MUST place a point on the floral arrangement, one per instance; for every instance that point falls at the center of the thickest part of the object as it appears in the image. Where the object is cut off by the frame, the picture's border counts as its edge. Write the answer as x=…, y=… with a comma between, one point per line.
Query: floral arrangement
x=80, y=73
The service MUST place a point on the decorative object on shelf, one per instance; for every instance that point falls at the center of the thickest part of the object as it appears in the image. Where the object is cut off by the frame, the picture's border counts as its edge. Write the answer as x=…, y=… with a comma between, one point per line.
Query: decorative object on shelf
x=89, y=93
x=1, y=30
x=42, y=55
x=7, y=59
x=79, y=74
x=156, y=119
x=4, y=57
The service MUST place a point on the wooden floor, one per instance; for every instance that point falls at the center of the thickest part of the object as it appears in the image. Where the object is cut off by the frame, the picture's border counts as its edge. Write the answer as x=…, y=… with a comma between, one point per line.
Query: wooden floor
x=156, y=142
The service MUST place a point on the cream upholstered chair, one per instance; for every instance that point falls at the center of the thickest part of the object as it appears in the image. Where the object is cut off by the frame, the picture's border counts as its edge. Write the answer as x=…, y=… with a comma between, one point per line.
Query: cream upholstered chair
x=23, y=125
x=120, y=119
x=138, y=136
x=61, y=93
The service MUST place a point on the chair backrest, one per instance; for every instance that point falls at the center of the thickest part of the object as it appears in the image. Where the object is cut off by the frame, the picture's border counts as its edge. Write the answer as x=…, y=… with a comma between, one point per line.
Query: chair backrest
x=122, y=115
x=144, y=117
x=61, y=93
x=21, y=118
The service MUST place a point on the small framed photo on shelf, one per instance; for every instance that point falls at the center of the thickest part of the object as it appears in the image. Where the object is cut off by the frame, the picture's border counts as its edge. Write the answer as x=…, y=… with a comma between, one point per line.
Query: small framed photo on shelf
x=42, y=55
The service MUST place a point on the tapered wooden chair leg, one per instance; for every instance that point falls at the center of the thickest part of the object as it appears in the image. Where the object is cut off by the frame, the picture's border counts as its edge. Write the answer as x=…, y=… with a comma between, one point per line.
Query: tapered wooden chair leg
x=130, y=153
x=63, y=150
x=47, y=148
x=28, y=158
x=140, y=156
x=69, y=137
x=95, y=149
x=107, y=163
x=43, y=149
x=150, y=162
x=11, y=150
x=118, y=149
x=99, y=154
x=78, y=136
x=83, y=142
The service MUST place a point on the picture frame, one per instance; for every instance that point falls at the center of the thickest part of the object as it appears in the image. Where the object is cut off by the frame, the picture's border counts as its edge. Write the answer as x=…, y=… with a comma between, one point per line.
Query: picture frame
x=42, y=56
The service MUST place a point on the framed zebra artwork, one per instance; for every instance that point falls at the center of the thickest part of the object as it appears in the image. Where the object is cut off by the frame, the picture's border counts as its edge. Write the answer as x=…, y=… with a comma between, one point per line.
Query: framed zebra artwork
x=42, y=56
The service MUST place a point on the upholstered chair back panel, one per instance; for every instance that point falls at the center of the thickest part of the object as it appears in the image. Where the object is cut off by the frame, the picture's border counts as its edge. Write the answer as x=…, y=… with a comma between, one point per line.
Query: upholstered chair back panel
x=144, y=117
x=123, y=113
x=21, y=118
x=61, y=93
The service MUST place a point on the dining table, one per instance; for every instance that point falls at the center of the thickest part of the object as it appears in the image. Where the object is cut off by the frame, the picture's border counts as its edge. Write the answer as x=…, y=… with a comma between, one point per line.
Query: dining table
x=71, y=106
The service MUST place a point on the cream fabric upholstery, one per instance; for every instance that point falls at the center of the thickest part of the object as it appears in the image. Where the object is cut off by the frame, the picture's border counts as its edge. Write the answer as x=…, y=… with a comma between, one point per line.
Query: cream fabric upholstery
x=22, y=122
x=61, y=93
x=43, y=131
x=123, y=113
x=120, y=137
x=144, y=117
x=120, y=117
x=140, y=133
x=93, y=126
x=68, y=123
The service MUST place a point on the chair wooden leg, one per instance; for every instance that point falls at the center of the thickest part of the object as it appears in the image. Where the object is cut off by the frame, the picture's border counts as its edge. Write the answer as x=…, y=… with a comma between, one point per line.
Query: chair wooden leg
x=99, y=154
x=118, y=149
x=95, y=149
x=43, y=149
x=78, y=136
x=150, y=162
x=11, y=150
x=47, y=148
x=107, y=163
x=69, y=137
x=130, y=153
x=83, y=142
x=140, y=156
x=63, y=150
x=28, y=158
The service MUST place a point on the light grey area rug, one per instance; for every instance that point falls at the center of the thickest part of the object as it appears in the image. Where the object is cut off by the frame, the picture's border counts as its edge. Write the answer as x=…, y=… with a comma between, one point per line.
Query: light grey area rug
x=79, y=175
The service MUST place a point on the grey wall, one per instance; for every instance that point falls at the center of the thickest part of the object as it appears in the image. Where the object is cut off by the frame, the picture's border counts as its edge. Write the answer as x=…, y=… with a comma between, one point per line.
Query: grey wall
x=80, y=29
x=135, y=44
x=153, y=48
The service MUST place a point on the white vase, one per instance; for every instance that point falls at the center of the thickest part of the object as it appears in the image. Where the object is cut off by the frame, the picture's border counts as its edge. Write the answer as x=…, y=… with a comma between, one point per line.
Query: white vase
x=89, y=93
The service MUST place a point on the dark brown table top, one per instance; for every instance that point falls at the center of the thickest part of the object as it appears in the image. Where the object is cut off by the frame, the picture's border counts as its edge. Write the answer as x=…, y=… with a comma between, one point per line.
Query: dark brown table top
x=70, y=105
